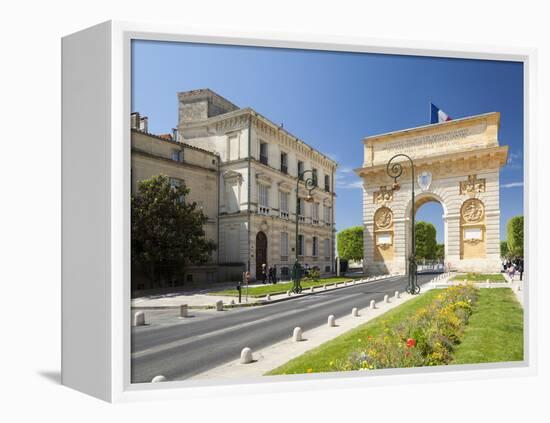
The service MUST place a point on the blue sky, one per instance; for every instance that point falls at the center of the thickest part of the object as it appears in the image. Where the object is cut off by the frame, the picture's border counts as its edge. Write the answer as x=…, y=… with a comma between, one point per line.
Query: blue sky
x=333, y=100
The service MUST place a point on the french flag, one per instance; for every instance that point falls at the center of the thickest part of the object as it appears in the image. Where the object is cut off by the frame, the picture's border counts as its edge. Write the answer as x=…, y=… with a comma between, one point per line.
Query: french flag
x=439, y=115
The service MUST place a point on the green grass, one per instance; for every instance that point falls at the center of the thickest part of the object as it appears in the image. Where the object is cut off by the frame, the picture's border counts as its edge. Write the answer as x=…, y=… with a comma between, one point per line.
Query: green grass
x=480, y=277
x=495, y=330
x=281, y=288
x=319, y=359
x=494, y=333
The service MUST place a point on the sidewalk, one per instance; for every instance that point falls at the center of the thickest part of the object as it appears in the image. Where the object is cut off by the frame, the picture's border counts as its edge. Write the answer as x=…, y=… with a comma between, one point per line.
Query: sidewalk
x=202, y=300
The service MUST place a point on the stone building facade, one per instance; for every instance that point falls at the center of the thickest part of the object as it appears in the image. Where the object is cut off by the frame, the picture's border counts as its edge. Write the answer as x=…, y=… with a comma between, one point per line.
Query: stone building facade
x=258, y=172
x=161, y=155
x=461, y=159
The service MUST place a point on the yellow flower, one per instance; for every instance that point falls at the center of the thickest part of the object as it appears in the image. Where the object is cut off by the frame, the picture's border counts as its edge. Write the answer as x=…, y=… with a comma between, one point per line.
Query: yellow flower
x=309, y=370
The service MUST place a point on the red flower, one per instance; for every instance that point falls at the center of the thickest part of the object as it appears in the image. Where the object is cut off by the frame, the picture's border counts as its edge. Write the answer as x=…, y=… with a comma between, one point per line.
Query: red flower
x=411, y=342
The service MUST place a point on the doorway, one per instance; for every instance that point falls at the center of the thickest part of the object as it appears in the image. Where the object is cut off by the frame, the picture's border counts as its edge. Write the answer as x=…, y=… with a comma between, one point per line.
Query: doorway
x=261, y=253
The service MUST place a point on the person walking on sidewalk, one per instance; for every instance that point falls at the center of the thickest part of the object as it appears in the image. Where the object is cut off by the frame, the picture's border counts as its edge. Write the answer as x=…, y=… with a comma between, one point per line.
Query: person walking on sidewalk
x=264, y=273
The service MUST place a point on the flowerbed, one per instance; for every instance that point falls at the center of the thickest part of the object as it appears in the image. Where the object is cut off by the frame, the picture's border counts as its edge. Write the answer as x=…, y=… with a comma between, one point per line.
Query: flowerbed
x=428, y=338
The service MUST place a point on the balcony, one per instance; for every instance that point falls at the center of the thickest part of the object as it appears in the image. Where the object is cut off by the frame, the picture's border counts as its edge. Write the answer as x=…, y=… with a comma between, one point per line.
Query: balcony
x=263, y=159
x=263, y=210
x=283, y=214
x=315, y=221
x=302, y=219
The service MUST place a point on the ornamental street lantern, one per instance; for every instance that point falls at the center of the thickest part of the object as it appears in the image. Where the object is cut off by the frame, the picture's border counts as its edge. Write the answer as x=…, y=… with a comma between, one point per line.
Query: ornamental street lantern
x=395, y=170
x=310, y=186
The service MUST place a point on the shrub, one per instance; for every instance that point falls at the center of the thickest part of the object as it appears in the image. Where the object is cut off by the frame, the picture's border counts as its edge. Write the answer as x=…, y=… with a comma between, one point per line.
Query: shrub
x=428, y=338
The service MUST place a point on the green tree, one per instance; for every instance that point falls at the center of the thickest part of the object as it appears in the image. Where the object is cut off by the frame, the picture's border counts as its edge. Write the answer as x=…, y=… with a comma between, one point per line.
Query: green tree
x=504, y=248
x=440, y=251
x=350, y=243
x=425, y=240
x=514, y=231
x=167, y=231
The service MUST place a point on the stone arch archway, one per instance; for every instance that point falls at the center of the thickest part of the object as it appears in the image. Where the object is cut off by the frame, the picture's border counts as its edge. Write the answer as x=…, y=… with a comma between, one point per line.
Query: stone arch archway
x=421, y=199
x=463, y=158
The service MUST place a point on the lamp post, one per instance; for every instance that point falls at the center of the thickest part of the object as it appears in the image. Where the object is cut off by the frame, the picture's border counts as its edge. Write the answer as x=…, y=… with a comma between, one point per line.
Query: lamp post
x=297, y=268
x=395, y=170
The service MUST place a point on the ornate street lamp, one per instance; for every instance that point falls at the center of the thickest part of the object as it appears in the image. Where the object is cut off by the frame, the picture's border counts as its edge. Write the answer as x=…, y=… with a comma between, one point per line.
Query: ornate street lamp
x=297, y=268
x=395, y=170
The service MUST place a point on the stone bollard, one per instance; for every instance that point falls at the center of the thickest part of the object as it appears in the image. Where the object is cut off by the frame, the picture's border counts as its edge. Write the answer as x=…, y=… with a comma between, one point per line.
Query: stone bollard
x=232, y=302
x=139, y=318
x=268, y=297
x=519, y=287
x=297, y=334
x=396, y=295
x=184, y=310
x=159, y=378
x=354, y=312
x=246, y=356
x=331, y=321
x=324, y=287
x=372, y=304
x=288, y=293
x=311, y=289
x=386, y=298
x=487, y=281
x=219, y=305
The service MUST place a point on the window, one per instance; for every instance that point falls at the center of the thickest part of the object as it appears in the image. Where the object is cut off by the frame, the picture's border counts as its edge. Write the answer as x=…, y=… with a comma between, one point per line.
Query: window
x=301, y=246
x=315, y=213
x=314, y=246
x=327, y=183
x=314, y=177
x=177, y=155
x=263, y=153
x=283, y=204
x=263, y=199
x=175, y=184
x=326, y=217
x=301, y=209
x=284, y=163
x=326, y=248
x=300, y=169
x=284, y=273
x=284, y=246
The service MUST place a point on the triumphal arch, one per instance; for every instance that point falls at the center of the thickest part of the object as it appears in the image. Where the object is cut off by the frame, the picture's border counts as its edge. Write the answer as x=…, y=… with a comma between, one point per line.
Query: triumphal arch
x=456, y=163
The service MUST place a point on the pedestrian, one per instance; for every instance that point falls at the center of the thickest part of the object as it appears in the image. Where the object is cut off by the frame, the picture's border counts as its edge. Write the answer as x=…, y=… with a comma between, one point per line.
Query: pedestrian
x=511, y=271
x=274, y=274
x=264, y=274
x=270, y=274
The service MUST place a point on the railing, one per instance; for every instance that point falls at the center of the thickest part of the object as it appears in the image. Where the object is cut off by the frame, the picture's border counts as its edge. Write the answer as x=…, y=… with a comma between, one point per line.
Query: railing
x=263, y=210
x=315, y=221
x=284, y=169
x=301, y=219
x=283, y=214
x=263, y=159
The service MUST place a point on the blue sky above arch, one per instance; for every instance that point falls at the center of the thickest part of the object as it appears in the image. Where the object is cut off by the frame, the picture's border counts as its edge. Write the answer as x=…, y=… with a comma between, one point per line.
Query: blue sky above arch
x=332, y=100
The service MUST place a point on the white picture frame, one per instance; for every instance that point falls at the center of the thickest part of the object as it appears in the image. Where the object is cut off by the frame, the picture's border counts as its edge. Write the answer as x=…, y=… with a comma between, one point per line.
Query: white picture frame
x=95, y=226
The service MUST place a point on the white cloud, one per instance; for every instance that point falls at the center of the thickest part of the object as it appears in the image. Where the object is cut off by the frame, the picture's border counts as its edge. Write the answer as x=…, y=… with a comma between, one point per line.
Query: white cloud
x=512, y=185
x=350, y=185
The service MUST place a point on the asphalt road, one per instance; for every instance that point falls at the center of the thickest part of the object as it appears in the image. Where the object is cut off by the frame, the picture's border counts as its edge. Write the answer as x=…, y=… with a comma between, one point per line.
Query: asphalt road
x=191, y=346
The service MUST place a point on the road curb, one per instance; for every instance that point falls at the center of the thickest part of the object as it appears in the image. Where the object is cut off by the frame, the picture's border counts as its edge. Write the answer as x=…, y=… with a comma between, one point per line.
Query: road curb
x=264, y=302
